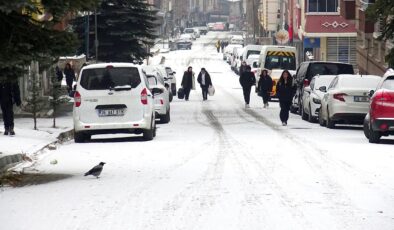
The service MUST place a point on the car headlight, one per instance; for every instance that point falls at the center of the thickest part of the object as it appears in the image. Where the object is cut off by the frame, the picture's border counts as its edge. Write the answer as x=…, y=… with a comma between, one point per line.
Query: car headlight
x=316, y=101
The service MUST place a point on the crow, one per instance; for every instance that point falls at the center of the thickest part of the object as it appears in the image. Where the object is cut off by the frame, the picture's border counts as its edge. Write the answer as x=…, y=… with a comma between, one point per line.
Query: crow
x=96, y=170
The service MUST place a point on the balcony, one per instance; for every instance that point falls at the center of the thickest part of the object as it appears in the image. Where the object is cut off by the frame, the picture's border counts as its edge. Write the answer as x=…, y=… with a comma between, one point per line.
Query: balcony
x=364, y=25
x=348, y=9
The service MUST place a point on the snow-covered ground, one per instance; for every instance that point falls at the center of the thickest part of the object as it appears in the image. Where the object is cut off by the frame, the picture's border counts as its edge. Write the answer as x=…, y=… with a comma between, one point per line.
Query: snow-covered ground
x=215, y=166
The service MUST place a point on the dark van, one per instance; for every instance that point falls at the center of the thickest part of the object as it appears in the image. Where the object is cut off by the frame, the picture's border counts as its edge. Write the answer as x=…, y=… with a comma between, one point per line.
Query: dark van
x=307, y=70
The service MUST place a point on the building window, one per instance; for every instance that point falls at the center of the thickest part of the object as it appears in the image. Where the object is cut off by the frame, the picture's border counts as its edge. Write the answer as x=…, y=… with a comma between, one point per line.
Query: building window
x=322, y=5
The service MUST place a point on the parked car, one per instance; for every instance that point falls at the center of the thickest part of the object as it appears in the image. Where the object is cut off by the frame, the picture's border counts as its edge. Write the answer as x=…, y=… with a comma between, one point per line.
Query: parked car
x=161, y=96
x=172, y=77
x=347, y=99
x=168, y=80
x=307, y=70
x=113, y=98
x=197, y=32
x=184, y=43
x=380, y=119
x=203, y=30
x=191, y=32
x=312, y=96
x=228, y=52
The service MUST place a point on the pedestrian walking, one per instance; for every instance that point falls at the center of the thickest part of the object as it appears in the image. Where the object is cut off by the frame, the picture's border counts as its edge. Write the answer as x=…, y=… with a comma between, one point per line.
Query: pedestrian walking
x=9, y=95
x=247, y=80
x=264, y=86
x=285, y=91
x=187, y=82
x=218, y=44
x=223, y=43
x=59, y=74
x=242, y=68
x=204, y=79
x=70, y=76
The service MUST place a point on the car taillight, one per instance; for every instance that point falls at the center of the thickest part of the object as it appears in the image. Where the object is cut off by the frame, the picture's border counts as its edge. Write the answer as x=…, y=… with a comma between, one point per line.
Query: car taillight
x=340, y=96
x=144, y=96
x=161, y=101
x=77, y=99
x=306, y=82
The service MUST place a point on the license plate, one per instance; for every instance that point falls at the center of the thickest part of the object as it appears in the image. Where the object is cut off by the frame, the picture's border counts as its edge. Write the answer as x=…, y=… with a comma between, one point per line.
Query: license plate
x=110, y=112
x=361, y=98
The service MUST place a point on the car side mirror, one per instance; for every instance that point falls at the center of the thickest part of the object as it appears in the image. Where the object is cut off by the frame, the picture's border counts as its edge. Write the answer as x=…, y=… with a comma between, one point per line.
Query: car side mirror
x=371, y=93
x=323, y=89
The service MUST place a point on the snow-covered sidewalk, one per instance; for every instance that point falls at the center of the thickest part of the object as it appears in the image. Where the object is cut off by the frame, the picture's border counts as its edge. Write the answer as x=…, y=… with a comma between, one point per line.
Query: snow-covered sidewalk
x=28, y=141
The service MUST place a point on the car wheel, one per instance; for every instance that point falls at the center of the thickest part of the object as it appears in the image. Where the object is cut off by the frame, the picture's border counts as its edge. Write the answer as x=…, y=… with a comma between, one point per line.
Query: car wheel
x=329, y=123
x=166, y=118
x=310, y=117
x=374, y=136
x=321, y=120
x=304, y=116
x=170, y=96
x=80, y=137
x=148, y=134
x=366, y=126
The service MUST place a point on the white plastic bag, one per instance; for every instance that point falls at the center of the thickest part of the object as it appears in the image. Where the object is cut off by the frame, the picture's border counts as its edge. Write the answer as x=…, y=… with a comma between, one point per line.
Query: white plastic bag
x=211, y=90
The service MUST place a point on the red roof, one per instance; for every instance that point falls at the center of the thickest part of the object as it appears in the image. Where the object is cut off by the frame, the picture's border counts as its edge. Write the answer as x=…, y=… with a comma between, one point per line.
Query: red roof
x=328, y=24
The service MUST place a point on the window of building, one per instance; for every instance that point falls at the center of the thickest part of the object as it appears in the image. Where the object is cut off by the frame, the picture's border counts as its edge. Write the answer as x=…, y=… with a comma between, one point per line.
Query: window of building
x=322, y=5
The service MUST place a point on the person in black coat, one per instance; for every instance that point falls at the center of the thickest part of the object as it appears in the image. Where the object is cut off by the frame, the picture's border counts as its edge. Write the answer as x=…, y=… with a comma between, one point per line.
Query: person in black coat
x=264, y=87
x=242, y=68
x=285, y=91
x=247, y=80
x=204, y=79
x=187, y=82
x=70, y=76
x=9, y=95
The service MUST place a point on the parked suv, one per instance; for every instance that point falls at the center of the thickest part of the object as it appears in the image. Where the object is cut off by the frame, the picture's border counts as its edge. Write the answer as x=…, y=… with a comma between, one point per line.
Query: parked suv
x=307, y=70
x=113, y=98
x=380, y=119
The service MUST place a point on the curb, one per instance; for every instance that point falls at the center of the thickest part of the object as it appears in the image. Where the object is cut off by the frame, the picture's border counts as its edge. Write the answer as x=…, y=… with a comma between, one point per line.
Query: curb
x=12, y=160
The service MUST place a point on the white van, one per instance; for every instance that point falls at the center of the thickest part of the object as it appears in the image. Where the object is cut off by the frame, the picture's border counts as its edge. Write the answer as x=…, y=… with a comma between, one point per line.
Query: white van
x=278, y=57
x=113, y=98
x=249, y=50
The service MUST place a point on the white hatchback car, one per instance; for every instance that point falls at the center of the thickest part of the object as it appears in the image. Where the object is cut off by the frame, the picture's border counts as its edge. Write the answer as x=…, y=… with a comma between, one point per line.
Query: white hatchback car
x=312, y=96
x=347, y=99
x=113, y=98
x=161, y=95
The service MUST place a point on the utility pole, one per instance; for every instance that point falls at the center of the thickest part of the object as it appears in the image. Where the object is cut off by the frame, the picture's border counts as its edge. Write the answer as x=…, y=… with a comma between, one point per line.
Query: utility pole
x=87, y=35
x=95, y=34
x=254, y=21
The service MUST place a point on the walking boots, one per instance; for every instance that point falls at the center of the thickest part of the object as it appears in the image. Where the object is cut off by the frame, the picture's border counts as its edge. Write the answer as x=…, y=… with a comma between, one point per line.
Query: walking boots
x=9, y=131
x=6, y=131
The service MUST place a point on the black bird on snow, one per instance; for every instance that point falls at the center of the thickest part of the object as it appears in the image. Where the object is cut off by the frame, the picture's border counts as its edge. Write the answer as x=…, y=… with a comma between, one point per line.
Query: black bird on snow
x=96, y=170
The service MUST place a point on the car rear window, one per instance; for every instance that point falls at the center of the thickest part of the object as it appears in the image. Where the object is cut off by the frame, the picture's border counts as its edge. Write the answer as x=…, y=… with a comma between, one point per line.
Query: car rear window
x=388, y=83
x=105, y=78
x=360, y=82
x=330, y=69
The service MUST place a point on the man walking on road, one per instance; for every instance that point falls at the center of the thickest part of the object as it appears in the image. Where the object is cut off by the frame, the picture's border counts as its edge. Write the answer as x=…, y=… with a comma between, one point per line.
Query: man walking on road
x=247, y=80
x=204, y=79
x=9, y=94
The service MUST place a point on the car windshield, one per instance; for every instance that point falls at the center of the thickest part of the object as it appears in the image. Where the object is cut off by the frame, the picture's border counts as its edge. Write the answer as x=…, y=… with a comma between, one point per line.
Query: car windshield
x=252, y=52
x=280, y=62
x=323, y=81
x=388, y=83
x=188, y=31
x=359, y=82
x=330, y=69
x=110, y=77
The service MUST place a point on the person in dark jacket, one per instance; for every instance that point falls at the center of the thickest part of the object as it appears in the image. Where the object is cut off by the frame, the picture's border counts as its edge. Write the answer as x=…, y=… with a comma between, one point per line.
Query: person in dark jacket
x=264, y=87
x=59, y=74
x=285, y=91
x=247, y=80
x=242, y=68
x=70, y=76
x=187, y=82
x=204, y=79
x=9, y=95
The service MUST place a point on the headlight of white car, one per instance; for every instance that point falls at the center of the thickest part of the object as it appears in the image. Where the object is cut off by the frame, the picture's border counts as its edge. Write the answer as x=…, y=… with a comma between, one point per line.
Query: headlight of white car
x=316, y=100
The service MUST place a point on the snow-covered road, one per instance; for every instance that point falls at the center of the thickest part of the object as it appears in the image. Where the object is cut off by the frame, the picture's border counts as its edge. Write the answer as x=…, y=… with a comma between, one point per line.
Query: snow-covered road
x=215, y=166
